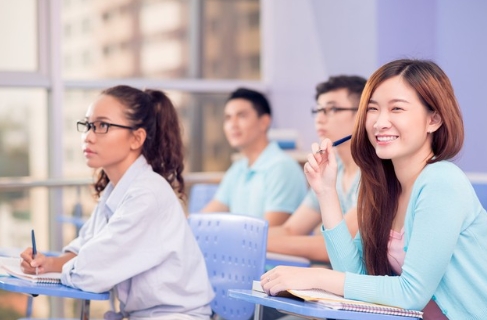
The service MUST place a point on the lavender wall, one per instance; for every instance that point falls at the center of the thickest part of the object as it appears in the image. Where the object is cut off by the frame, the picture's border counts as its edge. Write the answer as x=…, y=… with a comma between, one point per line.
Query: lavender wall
x=462, y=52
x=305, y=41
x=454, y=34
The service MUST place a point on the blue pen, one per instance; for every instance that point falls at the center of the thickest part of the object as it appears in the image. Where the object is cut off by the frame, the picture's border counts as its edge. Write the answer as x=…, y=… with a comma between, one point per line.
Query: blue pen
x=337, y=143
x=340, y=141
x=34, y=249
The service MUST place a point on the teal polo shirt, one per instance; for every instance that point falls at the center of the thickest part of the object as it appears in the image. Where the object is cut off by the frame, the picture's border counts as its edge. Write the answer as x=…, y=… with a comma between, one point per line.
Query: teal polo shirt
x=347, y=199
x=275, y=182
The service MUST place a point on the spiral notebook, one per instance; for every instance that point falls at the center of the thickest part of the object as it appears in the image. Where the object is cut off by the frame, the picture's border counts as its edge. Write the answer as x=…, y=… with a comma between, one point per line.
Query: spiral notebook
x=11, y=266
x=336, y=302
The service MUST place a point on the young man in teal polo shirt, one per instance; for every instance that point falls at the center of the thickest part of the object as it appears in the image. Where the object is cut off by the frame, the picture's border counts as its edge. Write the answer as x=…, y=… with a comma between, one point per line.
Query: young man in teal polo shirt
x=266, y=182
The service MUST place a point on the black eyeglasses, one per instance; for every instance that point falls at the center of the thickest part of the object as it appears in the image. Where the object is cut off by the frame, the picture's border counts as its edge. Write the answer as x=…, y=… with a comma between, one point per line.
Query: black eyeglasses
x=98, y=126
x=331, y=110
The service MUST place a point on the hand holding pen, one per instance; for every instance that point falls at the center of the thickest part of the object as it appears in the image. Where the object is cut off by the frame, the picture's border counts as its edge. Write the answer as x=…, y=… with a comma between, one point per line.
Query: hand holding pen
x=32, y=261
x=321, y=167
x=338, y=142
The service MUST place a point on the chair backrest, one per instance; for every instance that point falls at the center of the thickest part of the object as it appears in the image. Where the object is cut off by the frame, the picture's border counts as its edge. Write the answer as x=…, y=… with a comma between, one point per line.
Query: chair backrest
x=199, y=195
x=481, y=190
x=234, y=247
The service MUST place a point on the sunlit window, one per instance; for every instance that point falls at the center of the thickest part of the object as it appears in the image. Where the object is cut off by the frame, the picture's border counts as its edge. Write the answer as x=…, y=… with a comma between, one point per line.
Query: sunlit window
x=19, y=47
x=155, y=38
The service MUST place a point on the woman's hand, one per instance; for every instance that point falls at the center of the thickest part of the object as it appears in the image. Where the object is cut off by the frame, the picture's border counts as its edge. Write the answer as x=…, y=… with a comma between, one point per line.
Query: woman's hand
x=321, y=168
x=282, y=278
x=39, y=265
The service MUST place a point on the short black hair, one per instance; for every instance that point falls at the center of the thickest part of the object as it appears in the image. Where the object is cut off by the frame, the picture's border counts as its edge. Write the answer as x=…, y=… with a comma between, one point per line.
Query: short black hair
x=354, y=84
x=258, y=100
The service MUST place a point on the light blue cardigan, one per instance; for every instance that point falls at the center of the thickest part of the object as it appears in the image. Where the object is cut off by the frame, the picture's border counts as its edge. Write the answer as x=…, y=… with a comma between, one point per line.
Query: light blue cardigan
x=446, y=250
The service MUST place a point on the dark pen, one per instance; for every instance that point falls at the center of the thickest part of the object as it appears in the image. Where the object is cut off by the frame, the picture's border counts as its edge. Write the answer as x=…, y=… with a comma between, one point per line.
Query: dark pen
x=34, y=249
x=337, y=143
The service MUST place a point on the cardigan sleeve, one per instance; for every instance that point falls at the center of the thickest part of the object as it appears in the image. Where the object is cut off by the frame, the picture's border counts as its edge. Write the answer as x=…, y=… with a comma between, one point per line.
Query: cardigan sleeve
x=439, y=209
x=345, y=253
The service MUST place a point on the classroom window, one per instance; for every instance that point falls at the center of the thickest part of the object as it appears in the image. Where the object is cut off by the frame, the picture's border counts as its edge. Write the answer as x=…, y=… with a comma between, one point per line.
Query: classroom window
x=159, y=39
x=19, y=47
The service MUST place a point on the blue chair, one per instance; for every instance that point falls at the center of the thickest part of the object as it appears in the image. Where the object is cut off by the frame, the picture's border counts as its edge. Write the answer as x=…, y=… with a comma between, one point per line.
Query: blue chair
x=199, y=196
x=234, y=247
x=276, y=259
x=481, y=190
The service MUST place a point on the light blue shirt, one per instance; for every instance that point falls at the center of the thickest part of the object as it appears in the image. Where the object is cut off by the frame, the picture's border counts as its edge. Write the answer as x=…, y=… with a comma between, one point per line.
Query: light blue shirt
x=138, y=242
x=347, y=199
x=275, y=182
x=445, y=240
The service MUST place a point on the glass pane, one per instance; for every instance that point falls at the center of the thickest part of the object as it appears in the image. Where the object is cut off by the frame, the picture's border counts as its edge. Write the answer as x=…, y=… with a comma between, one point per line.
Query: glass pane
x=23, y=132
x=18, y=35
x=23, y=153
x=161, y=39
x=201, y=115
x=231, y=39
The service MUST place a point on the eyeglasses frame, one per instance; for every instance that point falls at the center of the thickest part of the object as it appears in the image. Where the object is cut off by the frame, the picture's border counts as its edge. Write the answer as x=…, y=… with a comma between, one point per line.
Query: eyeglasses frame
x=332, y=110
x=90, y=126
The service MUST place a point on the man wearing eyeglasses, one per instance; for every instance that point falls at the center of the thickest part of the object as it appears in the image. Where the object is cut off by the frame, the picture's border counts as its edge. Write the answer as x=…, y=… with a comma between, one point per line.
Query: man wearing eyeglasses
x=334, y=115
x=266, y=183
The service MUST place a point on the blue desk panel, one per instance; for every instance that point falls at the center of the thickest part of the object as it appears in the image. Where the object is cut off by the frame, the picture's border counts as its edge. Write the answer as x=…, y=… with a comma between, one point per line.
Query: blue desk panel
x=55, y=290
x=308, y=309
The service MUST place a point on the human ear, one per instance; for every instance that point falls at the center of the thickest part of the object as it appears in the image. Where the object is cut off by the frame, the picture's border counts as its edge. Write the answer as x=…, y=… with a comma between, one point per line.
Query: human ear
x=138, y=140
x=265, y=122
x=435, y=122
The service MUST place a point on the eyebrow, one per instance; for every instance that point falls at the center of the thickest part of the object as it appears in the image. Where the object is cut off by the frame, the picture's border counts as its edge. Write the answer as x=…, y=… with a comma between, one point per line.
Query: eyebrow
x=238, y=113
x=391, y=101
x=98, y=118
x=332, y=102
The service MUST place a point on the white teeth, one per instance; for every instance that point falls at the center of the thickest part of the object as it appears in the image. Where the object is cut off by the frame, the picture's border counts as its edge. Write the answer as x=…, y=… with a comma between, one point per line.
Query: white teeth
x=385, y=139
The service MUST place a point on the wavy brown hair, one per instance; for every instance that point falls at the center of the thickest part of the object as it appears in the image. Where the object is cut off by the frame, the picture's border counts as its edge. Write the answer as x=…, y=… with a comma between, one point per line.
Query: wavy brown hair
x=163, y=147
x=379, y=188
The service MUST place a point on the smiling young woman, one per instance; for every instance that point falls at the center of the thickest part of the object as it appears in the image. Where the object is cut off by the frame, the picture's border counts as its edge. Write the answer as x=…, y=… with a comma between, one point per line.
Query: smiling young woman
x=422, y=242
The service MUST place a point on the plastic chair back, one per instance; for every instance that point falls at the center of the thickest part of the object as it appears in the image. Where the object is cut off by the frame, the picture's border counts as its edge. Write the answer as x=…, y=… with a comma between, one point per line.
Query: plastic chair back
x=200, y=194
x=234, y=247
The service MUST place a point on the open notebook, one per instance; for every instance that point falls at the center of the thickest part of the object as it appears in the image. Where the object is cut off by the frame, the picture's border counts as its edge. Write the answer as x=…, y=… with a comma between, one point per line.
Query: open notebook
x=11, y=266
x=336, y=302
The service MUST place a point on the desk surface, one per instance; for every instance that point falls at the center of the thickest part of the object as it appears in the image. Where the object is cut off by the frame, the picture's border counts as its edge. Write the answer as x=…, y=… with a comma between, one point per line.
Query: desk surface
x=56, y=290
x=309, y=309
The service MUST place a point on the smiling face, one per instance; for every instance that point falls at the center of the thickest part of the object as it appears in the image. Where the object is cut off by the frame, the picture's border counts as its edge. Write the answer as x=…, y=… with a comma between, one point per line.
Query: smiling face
x=398, y=124
x=337, y=125
x=243, y=127
x=115, y=150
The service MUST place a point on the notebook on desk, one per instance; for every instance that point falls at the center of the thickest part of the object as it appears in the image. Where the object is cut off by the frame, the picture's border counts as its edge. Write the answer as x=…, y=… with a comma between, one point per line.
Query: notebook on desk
x=337, y=302
x=11, y=267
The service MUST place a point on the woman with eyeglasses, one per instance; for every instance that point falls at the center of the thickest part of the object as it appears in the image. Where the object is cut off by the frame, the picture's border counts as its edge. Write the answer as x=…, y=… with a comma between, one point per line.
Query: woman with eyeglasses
x=137, y=241
x=422, y=241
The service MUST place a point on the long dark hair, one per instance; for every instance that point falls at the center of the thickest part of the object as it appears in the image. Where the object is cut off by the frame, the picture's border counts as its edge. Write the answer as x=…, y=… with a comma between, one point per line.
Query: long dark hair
x=163, y=147
x=379, y=188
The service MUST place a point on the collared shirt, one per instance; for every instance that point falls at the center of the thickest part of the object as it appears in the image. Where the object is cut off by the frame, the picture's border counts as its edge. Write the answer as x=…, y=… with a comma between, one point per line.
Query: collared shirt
x=347, y=198
x=274, y=182
x=138, y=242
